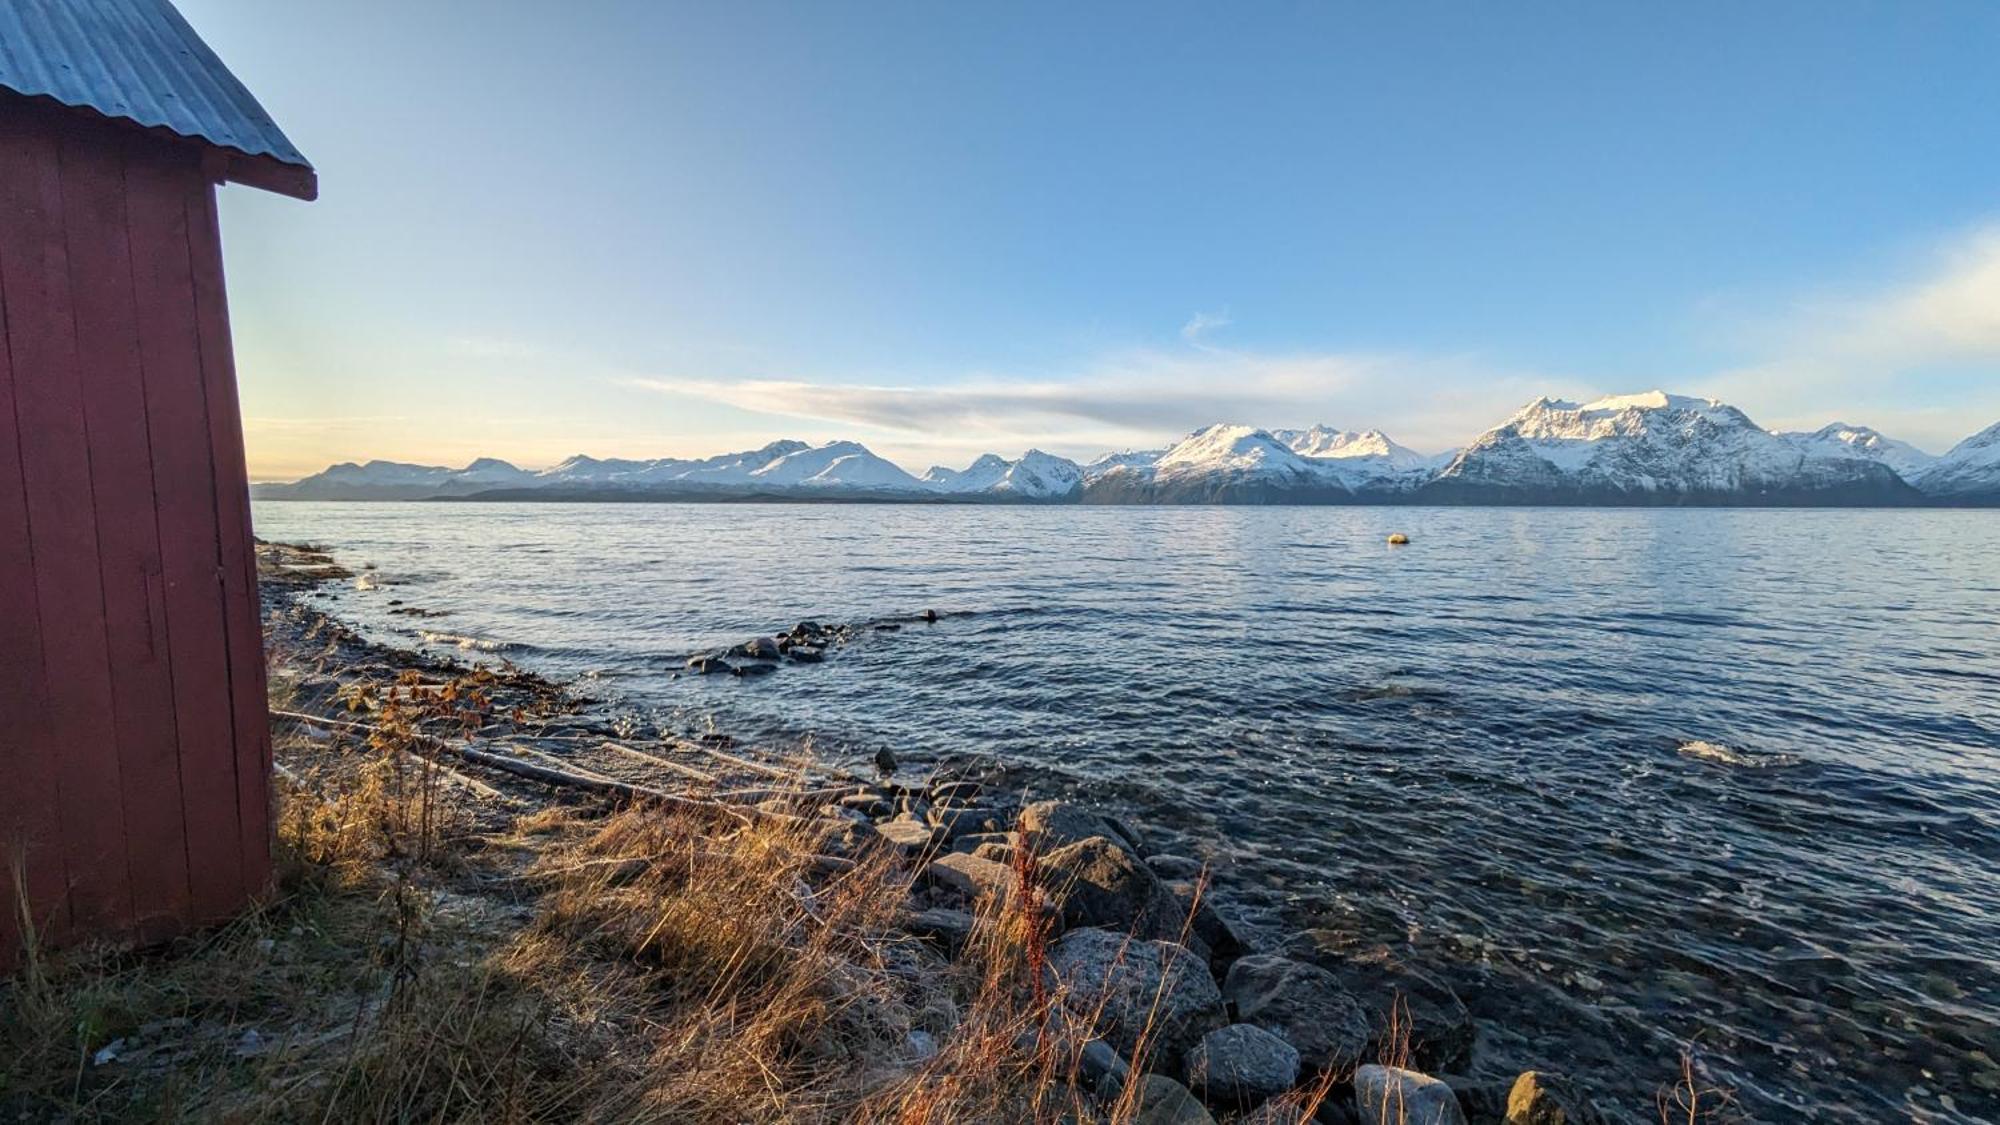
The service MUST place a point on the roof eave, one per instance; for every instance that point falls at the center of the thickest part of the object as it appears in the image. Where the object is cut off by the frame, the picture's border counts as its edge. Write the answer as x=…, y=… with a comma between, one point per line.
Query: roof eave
x=267, y=173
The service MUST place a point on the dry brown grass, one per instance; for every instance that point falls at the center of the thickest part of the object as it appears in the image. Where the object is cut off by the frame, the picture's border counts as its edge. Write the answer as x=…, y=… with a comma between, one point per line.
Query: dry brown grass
x=429, y=960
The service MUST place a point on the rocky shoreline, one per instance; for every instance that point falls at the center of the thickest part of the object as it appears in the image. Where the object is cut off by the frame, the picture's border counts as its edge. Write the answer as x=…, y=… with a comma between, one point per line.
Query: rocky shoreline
x=1222, y=1024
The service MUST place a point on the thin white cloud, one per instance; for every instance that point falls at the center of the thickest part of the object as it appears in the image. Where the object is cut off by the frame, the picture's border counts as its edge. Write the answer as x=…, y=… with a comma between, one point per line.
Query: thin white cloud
x=1869, y=357
x=1200, y=324
x=1151, y=397
x=1952, y=314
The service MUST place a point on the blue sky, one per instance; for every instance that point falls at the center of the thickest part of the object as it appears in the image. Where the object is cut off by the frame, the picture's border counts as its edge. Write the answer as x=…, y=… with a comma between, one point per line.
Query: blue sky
x=636, y=228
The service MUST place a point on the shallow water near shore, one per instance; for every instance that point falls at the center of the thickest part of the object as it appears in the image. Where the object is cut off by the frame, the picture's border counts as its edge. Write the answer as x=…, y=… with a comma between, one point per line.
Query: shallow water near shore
x=1623, y=778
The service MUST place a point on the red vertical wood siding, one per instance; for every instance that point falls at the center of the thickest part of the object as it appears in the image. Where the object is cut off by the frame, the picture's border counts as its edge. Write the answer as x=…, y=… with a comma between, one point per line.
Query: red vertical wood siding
x=243, y=615
x=135, y=747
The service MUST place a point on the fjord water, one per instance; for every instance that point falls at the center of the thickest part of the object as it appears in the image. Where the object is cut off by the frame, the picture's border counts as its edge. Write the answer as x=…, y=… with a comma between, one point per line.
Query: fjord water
x=1623, y=778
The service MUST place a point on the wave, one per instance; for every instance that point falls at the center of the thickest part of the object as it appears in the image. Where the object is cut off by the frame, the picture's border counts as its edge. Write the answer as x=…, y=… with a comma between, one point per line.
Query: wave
x=473, y=644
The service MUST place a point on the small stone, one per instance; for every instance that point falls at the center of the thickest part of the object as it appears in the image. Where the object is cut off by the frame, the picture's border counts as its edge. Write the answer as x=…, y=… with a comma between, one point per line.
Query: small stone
x=867, y=802
x=959, y=822
x=1390, y=1095
x=1242, y=1065
x=908, y=834
x=942, y=925
x=980, y=880
x=759, y=648
x=945, y=792
x=921, y=1045
x=1540, y=1098
x=1163, y=1101
x=1099, y=1059
x=709, y=665
x=997, y=851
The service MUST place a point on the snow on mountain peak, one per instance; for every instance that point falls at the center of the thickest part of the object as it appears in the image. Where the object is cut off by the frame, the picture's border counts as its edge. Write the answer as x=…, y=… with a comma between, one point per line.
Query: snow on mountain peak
x=1842, y=440
x=1970, y=471
x=1230, y=448
x=1035, y=476
x=1651, y=447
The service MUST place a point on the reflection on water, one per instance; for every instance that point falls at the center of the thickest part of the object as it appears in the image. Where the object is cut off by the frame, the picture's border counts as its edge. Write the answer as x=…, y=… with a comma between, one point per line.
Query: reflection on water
x=1624, y=778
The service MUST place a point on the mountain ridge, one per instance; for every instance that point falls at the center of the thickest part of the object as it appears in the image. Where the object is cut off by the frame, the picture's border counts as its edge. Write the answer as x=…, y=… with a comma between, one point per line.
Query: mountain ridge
x=1651, y=448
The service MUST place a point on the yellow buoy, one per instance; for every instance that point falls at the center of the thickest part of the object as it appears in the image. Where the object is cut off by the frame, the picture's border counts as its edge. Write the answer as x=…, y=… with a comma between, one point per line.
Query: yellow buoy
x=1398, y=539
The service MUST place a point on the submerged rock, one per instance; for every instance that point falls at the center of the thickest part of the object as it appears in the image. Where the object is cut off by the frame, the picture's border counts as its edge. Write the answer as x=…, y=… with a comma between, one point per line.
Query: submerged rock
x=754, y=669
x=1132, y=983
x=1436, y=1030
x=759, y=648
x=706, y=665
x=1305, y=1004
x=1242, y=1065
x=807, y=654
x=1175, y=866
x=1390, y=1095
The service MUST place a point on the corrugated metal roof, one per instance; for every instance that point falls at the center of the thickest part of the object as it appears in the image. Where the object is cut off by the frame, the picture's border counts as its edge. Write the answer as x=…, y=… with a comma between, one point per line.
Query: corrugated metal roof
x=137, y=60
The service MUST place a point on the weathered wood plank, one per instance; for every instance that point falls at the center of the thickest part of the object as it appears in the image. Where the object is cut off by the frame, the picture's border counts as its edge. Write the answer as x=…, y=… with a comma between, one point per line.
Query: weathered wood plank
x=239, y=557
x=55, y=465
x=190, y=552
x=30, y=832
x=128, y=539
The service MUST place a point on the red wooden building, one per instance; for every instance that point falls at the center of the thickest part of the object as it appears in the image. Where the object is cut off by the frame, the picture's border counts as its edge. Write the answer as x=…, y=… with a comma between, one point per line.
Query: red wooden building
x=134, y=743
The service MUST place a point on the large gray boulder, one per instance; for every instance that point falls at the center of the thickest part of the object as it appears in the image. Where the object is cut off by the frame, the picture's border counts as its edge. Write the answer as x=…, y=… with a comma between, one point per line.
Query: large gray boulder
x=1055, y=824
x=1136, y=989
x=1242, y=1065
x=1303, y=1003
x=1390, y=1095
x=1098, y=883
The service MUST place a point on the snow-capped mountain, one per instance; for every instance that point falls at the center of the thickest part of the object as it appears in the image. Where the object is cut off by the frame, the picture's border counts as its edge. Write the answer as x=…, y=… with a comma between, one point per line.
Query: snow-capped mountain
x=1969, y=474
x=1230, y=464
x=397, y=480
x=1141, y=460
x=1651, y=448
x=1035, y=476
x=834, y=470
x=1326, y=442
x=1840, y=440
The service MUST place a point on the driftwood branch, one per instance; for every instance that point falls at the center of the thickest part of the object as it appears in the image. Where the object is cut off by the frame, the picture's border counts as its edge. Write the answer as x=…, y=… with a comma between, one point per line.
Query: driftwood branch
x=548, y=775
